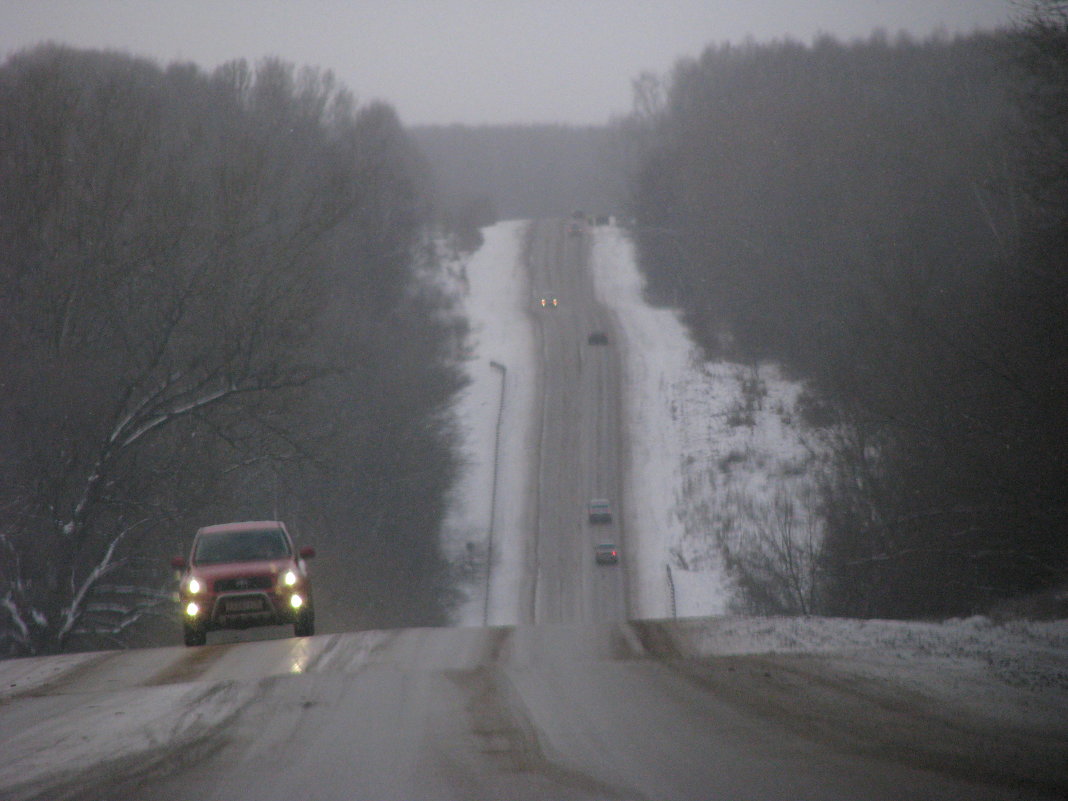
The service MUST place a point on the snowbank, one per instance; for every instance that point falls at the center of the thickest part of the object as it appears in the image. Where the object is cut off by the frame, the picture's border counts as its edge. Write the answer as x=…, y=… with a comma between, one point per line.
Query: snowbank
x=495, y=298
x=717, y=455
x=1016, y=672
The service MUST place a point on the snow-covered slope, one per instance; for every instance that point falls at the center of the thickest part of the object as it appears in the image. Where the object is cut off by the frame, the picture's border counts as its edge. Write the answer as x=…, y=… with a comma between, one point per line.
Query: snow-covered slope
x=714, y=454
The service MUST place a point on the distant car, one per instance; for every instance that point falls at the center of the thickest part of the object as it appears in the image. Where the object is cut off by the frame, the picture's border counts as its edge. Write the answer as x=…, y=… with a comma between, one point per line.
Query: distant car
x=574, y=229
x=240, y=575
x=548, y=301
x=606, y=554
x=600, y=511
x=597, y=338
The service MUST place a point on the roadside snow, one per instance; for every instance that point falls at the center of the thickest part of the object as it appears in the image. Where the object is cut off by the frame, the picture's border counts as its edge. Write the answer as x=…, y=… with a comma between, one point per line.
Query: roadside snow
x=493, y=282
x=717, y=459
x=19, y=676
x=659, y=366
x=84, y=735
x=1016, y=672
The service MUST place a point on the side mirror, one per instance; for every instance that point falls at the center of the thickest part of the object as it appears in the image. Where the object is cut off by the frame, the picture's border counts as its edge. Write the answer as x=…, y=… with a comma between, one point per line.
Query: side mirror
x=307, y=552
x=178, y=562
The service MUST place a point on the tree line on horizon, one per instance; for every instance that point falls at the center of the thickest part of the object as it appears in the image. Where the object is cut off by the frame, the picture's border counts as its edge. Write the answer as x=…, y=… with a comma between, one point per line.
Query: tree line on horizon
x=886, y=219
x=485, y=173
x=214, y=306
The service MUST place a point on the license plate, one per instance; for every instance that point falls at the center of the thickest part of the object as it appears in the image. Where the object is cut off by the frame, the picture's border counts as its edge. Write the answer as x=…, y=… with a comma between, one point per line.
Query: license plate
x=244, y=605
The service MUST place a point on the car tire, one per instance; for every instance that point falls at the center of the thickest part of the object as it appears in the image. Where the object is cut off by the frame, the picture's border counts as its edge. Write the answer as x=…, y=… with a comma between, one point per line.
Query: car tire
x=304, y=625
x=194, y=636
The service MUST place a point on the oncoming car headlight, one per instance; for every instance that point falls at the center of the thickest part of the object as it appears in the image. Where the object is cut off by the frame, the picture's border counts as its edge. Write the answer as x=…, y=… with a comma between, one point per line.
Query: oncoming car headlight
x=296, y=601
x=193, y=586
x=289, y=578
x=192, y=609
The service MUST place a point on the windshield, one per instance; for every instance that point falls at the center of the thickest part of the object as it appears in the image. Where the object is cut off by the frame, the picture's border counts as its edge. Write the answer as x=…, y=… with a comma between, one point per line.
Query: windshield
x=240, y=546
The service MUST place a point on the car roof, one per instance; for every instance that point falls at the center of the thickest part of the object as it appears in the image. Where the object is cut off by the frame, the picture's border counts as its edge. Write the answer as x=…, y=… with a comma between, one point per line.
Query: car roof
x=247, y=525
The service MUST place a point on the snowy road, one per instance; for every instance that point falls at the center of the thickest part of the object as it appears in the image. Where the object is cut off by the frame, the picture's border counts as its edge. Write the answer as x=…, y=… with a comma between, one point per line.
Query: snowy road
x=533, y=712
x=579, y=457
x=574, y=702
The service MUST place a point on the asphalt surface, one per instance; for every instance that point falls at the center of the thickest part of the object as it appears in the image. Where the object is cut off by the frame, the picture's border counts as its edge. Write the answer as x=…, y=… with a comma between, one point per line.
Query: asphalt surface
x=580, y=457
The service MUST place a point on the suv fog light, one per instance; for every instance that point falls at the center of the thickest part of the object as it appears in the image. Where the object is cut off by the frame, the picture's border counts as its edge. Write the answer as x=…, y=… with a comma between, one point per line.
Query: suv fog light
x=192, y=609
x=296, y=601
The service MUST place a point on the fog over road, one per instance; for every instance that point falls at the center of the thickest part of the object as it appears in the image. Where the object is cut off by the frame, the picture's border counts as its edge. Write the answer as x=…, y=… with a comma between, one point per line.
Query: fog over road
x=574, y=703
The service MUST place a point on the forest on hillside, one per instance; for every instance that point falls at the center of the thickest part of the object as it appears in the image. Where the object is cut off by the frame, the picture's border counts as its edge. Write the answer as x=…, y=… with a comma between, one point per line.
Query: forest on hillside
x=213, y=306
x=886, y=219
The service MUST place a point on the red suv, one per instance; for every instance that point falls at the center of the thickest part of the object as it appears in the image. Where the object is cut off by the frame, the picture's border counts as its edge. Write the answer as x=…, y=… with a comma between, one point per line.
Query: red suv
x=244, y=574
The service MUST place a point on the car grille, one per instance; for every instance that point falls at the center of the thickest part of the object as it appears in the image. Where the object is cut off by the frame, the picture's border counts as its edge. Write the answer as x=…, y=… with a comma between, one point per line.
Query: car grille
x=244, y=583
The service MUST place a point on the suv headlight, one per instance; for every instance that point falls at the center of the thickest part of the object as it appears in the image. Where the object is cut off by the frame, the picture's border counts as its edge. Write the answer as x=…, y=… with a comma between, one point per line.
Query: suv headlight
x=289, y=578
x=193, y=586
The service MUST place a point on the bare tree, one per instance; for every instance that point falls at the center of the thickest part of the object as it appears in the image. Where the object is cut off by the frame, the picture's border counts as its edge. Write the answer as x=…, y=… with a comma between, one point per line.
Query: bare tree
x=173, y=245
x=777, y=566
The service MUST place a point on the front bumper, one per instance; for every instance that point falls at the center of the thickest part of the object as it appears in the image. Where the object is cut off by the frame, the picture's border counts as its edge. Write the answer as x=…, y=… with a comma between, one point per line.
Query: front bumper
x=241, y=610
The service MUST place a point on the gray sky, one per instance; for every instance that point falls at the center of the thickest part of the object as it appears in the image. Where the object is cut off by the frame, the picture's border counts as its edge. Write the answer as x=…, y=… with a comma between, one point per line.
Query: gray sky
x=472, y=61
